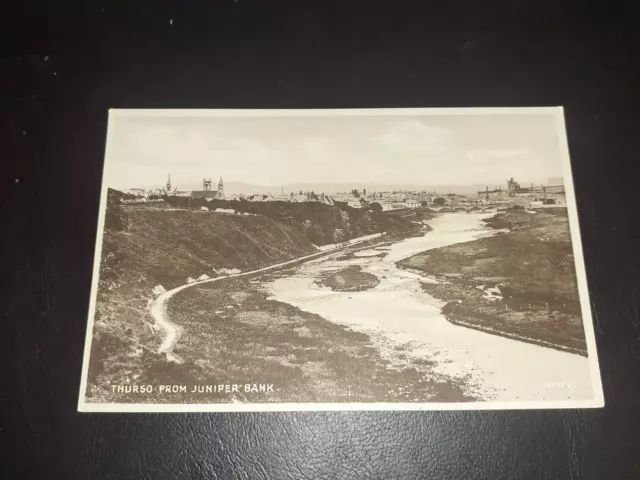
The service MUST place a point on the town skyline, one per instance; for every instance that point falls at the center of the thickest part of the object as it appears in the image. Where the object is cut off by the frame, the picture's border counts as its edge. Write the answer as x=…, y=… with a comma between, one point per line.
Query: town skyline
x=235, y=188
x=276, y=152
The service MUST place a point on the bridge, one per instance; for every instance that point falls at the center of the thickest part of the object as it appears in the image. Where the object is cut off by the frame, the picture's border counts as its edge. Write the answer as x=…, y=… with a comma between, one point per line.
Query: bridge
x=494, y=207
x=412, y=212
x=409, y=212
x=475, y=207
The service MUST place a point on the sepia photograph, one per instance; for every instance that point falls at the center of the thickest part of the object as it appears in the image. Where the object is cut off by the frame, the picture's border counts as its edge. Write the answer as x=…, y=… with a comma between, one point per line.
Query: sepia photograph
x=374, y=259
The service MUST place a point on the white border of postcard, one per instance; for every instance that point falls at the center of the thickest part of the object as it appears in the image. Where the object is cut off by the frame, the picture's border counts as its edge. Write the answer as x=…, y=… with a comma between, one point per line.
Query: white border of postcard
x=598, y=397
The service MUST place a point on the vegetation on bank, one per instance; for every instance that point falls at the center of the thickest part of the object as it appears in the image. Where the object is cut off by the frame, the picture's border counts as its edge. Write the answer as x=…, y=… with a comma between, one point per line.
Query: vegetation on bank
x=520, y=284
x=231, y=333
x=349, y=279
x=146, y=246
x=323, y=224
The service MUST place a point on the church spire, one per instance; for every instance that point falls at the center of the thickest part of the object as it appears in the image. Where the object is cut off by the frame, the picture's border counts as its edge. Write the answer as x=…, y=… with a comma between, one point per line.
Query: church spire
x=169, y=182
x=220, y=188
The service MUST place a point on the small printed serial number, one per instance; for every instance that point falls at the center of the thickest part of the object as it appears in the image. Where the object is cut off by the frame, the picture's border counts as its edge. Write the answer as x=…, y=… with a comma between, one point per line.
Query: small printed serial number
x=561, y=384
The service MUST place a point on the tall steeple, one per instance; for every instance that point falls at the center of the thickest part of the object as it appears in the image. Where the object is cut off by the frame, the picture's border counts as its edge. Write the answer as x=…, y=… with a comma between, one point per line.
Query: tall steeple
x=220, y=188
x=169, y=183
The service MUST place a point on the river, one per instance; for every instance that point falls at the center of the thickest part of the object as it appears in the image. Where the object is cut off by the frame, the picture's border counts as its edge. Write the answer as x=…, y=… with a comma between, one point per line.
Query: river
x=406, y=325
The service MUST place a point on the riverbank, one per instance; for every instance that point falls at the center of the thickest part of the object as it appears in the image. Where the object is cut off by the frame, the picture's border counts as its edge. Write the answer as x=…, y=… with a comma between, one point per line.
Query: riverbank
x=148, y=249
x=520, y=284
x=233, y=334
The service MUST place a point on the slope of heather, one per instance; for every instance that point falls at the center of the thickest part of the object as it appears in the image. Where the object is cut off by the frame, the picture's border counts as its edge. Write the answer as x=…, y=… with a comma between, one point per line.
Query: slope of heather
x=147, y=246
x=321, y=223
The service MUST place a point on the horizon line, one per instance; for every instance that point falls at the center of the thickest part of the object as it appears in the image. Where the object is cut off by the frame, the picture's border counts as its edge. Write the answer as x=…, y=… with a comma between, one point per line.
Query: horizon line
x=371, y=184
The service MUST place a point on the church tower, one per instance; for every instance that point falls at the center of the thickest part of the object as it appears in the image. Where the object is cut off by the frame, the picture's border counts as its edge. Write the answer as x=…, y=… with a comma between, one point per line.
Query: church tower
x=169, y=183
x=220, y=188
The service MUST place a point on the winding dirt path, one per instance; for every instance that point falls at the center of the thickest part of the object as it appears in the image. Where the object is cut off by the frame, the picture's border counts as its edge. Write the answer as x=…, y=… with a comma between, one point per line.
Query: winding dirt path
x=172, y=331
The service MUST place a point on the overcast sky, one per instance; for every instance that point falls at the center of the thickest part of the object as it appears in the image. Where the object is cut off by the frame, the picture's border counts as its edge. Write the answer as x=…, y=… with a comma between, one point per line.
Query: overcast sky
x=276, y=151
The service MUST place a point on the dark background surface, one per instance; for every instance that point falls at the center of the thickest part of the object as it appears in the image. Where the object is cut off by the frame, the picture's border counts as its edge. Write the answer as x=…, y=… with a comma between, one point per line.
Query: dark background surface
x=65, y=63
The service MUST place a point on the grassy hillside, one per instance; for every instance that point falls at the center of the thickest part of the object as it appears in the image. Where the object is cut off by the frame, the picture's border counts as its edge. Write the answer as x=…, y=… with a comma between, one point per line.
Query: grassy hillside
x=322, y=224
x=530, y=271
x=145, y=246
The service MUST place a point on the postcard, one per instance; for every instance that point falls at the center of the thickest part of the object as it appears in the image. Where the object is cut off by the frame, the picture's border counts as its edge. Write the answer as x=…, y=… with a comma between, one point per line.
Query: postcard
x=367, y=259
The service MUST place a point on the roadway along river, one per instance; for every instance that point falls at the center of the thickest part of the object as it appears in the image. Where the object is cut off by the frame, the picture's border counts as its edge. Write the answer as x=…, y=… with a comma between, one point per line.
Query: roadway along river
x=405, y=323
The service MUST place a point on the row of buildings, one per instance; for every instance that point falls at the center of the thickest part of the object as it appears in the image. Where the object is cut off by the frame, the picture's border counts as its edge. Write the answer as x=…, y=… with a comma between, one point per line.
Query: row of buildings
x=141, y=194
x=355, y=199
x=551, y=193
